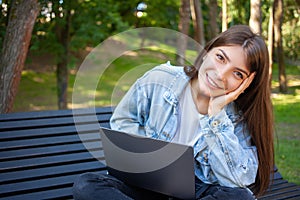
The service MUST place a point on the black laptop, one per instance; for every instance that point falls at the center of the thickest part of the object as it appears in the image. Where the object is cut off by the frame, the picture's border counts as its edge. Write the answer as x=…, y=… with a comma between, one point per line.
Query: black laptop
x=156, y=165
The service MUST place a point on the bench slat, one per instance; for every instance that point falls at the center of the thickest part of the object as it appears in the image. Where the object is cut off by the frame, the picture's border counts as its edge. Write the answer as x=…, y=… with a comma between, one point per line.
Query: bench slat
x=45, y=151
x=50, y=141
x=282, y=185
x=277, y=182
x=49, y=160
x=50, y=131
x=23, y=187
x=277, y=175
x=52, y=122
x=54, y=113
x=39, y=185
x=58, y=193
x=289, y=192
x=61, y=193
x=30, y=174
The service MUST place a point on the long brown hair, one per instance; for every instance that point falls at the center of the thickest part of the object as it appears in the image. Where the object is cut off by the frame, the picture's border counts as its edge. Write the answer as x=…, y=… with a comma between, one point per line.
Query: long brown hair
x=255, y=102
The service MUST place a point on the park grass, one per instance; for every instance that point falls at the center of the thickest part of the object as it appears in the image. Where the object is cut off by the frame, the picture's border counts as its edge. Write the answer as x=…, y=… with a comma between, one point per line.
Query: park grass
x=287, y=137
x=37, y=91
x=287, y=125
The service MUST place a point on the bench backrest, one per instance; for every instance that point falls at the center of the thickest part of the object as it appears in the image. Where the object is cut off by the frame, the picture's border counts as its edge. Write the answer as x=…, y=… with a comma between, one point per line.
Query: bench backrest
x=41, y=153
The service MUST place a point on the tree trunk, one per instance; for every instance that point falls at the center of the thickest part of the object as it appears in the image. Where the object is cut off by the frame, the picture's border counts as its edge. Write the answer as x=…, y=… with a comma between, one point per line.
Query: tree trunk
x=224, y=15
x=183, y=26
x=278, y=17
x=196, y=12
x=22, y=17
x=62, y=72
x=213, y=12
x=270, y=43
x=255, y=16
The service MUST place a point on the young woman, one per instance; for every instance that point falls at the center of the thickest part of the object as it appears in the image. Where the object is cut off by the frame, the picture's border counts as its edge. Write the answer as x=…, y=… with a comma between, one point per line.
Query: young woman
x=221, y=106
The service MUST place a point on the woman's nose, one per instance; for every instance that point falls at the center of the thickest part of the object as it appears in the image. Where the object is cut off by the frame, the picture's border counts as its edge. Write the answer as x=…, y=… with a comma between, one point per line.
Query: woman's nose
x=221, y=75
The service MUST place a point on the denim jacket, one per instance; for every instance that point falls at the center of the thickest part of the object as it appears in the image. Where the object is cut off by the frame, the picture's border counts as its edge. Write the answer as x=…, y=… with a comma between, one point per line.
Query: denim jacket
x=223, y=153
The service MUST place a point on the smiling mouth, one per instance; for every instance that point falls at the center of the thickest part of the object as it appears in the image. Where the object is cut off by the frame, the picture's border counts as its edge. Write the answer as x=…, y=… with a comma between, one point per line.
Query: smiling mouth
x=212, y=83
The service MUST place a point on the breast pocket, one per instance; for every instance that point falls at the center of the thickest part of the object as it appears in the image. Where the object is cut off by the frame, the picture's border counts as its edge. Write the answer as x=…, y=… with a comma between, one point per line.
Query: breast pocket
x=162, y=123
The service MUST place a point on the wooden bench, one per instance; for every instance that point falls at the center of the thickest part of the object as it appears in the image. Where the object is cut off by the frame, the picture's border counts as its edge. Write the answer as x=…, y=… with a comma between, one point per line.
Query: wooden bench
x=41, y=154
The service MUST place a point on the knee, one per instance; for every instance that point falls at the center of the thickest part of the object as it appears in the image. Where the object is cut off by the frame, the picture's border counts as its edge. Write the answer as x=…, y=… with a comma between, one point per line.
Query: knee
x=249, y=194
x=243, y=194
x=90, y=186
x=221, y=192
x=84, y=183
x=83, y=180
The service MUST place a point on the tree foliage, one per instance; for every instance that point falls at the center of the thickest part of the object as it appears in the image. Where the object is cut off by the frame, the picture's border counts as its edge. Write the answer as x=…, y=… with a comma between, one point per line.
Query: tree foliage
x=93, y=20
x=291, y=29
x=65, y=27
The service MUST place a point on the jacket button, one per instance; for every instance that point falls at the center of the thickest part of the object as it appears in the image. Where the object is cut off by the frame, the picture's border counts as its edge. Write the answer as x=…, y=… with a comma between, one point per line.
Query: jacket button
x=215, y=123
x=166, y=134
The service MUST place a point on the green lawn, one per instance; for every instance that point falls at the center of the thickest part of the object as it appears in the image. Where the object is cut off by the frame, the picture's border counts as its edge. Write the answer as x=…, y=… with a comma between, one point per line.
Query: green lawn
x=287, y=123
x=37, y=91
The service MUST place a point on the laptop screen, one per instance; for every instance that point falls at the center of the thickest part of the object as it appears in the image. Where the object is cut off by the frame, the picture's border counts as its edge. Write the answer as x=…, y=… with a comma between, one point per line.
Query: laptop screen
x=156, y=165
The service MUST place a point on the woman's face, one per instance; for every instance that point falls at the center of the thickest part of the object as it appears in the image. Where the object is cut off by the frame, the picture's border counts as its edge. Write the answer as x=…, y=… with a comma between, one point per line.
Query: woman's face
x=223, y=70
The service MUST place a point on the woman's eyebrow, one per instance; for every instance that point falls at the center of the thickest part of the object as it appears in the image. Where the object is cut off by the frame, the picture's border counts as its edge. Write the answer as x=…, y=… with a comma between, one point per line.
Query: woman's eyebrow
x=223, y=52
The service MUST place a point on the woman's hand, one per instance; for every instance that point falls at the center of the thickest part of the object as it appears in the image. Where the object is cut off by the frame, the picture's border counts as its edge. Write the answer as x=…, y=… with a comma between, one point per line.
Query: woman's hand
x=216, y=104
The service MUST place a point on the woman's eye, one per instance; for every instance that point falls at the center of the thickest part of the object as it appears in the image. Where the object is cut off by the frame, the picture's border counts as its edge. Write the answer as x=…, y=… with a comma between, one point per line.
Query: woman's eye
x=220, y=57
x=239, y=75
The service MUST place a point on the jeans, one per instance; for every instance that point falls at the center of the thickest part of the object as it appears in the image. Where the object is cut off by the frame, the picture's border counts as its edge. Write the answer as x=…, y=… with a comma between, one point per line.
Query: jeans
x=90, y=186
